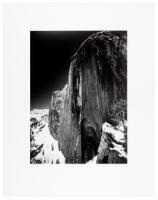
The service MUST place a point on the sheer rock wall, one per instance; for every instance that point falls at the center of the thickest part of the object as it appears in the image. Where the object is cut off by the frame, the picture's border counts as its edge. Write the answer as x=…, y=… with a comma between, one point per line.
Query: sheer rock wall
x=97, y=80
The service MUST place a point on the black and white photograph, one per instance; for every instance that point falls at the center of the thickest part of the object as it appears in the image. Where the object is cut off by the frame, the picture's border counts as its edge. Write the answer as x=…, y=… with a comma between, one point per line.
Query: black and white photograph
x=78, y=97
x=79, y=100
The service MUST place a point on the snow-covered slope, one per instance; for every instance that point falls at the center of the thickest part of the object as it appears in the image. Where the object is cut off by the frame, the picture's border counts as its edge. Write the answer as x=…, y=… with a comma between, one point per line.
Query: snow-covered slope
x=43, y=147
x=113, y=144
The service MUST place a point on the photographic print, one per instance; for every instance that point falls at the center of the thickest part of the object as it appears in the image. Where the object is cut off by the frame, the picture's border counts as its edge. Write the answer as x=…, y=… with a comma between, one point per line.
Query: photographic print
x=78, y=103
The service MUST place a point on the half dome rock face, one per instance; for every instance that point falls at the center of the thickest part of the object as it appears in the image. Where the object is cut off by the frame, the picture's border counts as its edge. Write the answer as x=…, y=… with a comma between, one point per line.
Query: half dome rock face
x=96, y=93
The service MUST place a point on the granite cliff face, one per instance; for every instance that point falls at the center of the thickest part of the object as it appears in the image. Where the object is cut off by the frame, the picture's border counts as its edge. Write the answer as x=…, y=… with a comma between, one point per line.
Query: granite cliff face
x=56, y=110
x=97, y=82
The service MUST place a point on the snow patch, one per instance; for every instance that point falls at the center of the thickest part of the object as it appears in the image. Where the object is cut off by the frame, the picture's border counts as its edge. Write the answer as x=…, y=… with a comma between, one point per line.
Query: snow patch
x=93, y=161
x=49, y=153
x=117, y=134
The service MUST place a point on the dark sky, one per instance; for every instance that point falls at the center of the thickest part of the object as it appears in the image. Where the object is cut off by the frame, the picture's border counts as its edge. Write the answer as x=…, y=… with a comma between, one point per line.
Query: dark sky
x=50, y=61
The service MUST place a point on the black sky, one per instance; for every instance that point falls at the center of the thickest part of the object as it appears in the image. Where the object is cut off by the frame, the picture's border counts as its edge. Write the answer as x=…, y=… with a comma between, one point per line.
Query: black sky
x=50, y=60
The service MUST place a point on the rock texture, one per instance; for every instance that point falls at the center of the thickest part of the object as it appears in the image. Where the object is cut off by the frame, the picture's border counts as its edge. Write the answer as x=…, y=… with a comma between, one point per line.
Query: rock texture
x=56, y=110
x=43, y=147
x=97, y=82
